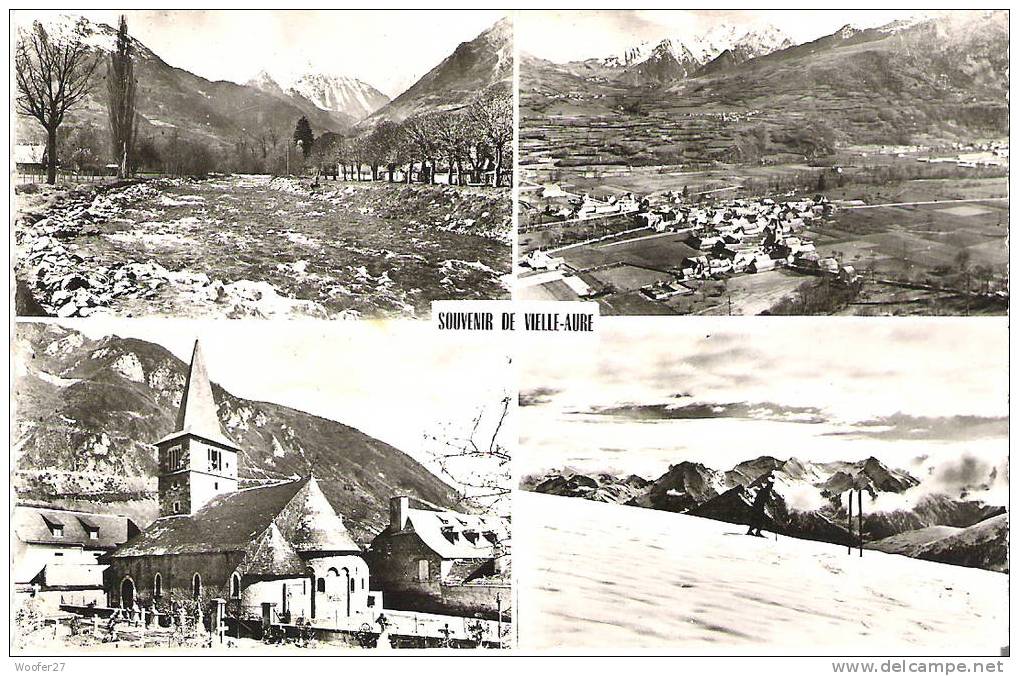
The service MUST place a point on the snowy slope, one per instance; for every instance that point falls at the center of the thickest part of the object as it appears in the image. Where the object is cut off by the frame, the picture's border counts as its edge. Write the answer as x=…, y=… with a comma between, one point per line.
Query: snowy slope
x=601, y=577
x=339, y=93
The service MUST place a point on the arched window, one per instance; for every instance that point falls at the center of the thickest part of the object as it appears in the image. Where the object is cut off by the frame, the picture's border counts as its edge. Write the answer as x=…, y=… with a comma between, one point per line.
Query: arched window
x=422, y=570
x=235, y=586
x=196, y=586
x=353, y=585
x=157, y=586
x=320, y=585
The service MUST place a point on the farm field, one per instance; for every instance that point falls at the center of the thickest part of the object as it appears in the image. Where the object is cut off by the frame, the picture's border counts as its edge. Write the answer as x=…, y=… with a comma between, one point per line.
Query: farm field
x=254, y=247
x=946, y=235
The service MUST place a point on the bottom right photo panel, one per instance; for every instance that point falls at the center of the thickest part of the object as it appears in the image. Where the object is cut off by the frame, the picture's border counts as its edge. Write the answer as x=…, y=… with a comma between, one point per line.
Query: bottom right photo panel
x=794, y=487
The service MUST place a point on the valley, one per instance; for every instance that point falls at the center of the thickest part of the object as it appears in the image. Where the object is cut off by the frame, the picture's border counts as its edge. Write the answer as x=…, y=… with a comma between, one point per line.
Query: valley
x=850, y=116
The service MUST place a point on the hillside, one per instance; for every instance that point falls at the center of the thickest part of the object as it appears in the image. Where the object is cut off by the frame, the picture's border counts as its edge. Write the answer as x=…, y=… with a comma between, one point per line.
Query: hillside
x=982, y=545
x=808, y=500
x=474, y=66
x=89, y=410
x=937, y=81
x=174, y=101
x=607, y=577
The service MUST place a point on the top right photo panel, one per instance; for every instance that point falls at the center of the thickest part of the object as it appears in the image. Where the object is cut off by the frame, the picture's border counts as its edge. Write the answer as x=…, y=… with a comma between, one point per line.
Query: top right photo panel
x=765, y=162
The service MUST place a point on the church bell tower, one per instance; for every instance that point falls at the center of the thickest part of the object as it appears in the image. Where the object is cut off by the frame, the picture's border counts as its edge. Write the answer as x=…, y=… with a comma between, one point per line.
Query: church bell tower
x=197, y=461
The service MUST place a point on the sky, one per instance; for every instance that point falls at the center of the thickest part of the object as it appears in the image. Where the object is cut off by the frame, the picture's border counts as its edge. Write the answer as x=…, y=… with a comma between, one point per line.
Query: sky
x=562, y=36
x=389, y=50
x=922, y=395
x=392, y=380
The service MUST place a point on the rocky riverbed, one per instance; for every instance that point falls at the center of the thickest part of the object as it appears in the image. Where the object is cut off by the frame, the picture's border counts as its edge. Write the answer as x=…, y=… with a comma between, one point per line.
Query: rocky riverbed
x=248, y=246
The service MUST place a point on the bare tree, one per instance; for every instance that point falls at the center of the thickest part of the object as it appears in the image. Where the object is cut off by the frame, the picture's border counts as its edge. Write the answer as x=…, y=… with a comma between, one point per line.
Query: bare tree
x=421, y=134
x=491, y=114
x=474, y=458
x=450, y=137
x=120, y=84
x=53, y=74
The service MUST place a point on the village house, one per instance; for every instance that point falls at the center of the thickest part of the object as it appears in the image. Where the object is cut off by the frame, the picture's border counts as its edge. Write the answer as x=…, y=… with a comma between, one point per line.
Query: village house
x=540, y=260
x=442, y=561
x=58, y=553
x=29, y=159
x=273, y=553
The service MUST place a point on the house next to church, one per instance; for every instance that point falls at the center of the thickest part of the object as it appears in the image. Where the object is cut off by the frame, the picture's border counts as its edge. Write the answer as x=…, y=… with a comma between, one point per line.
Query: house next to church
x=442, y=561
x=279, y=551
x=57, y=553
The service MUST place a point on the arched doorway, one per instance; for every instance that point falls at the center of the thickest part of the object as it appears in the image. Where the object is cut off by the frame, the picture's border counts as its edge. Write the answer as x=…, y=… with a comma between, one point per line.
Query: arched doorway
x=127, y=593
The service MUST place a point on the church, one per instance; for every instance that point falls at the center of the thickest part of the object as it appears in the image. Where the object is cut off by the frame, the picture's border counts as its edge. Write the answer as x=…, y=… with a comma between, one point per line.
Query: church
x=278, y=552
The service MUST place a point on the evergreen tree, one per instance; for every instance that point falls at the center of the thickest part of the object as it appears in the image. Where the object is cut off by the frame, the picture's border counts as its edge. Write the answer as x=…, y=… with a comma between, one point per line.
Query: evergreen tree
x=120, y=84
x=303, y=136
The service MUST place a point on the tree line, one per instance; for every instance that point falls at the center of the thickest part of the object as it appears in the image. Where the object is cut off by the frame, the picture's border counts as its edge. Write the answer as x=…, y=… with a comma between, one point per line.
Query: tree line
x=471, y=144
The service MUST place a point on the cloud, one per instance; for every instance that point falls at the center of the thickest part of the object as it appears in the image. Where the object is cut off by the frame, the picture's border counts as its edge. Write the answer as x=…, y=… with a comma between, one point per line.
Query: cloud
x=537, y=396
x=702, y=410
x=901, y=426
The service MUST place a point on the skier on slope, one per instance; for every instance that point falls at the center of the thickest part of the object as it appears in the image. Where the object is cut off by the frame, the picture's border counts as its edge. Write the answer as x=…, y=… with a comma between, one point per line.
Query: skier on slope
x=757, y=509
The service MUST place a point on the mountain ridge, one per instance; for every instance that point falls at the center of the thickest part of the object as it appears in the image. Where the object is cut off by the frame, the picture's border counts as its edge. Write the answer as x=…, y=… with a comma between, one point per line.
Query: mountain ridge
x=89, y=412
x=806, y=501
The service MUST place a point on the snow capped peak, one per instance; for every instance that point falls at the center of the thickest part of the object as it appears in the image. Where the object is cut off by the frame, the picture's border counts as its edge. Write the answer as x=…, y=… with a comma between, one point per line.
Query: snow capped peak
x=266, y=82
x=744, y=43
x=98, y=36
x=339, y=93
x=903, y=24
x=847, y=31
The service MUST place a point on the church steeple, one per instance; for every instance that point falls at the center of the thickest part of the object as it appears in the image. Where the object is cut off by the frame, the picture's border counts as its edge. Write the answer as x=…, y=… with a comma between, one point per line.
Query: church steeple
x=197, y=461
x=198, y=413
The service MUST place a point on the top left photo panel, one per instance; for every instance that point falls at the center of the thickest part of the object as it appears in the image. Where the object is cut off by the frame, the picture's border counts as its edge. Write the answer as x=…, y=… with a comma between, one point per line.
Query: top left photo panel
x=262, y=164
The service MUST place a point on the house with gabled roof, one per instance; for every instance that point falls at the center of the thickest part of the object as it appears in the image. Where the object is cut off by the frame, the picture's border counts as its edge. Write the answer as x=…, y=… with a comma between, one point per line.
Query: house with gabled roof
x=277, y=551
x=57, y=554
x=439, y=560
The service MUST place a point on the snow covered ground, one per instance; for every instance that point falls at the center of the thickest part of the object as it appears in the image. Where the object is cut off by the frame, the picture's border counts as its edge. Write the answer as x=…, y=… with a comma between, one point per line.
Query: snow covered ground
x=602, y=577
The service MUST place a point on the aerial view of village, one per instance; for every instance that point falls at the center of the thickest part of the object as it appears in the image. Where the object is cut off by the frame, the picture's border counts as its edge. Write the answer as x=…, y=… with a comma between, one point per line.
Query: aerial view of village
x=766, y=162
x=706, y=493
x=232, y=164
x=158, y=510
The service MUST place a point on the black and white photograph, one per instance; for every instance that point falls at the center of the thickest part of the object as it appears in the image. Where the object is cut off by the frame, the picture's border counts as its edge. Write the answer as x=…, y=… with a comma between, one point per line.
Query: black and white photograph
x=713, y=492
x=733, y=162
x=233, y=164
x=319, y=318
x=195, y=486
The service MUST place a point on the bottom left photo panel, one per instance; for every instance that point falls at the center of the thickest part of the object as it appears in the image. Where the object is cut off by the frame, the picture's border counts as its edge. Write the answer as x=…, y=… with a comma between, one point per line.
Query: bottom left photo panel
x=259, y=486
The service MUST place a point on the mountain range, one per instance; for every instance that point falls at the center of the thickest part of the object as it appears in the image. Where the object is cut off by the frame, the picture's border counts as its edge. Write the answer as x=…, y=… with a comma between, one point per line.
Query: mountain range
x=486, y=62
x=807, y=502
x=671, y=59
x=935, y=79
x=173, y=101
x=88, y=412
x=336, y=93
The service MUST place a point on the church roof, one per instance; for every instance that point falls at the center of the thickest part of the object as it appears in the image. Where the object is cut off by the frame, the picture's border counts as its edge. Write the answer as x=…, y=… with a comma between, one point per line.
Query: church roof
x=232, y=522
x=271, y=554
x=198, y=413
x=312, y=525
